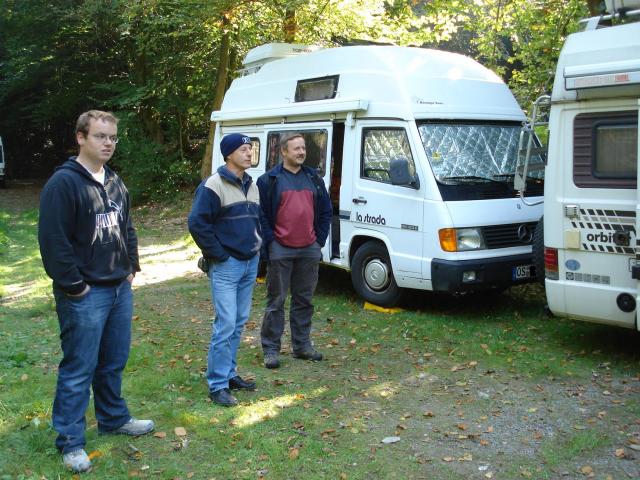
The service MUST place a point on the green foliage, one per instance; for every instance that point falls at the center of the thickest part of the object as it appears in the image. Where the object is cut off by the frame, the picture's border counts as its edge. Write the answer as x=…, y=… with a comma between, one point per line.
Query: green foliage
x=155, y=62
x=149, y=170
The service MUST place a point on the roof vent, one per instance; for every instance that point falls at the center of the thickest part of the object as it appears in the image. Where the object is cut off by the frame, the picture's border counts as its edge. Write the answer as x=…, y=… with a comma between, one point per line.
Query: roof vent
x=258, y=56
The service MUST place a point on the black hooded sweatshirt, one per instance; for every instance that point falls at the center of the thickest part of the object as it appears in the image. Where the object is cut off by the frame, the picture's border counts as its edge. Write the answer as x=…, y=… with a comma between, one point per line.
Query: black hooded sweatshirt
x=85, y=233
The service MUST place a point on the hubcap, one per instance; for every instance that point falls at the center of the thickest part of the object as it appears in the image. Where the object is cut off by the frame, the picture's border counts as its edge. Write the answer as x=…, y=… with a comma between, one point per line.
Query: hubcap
x=376, y=274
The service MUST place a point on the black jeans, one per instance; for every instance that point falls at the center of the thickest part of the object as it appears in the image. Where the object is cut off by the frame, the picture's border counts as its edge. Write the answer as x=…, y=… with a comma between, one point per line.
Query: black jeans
x=301, y=274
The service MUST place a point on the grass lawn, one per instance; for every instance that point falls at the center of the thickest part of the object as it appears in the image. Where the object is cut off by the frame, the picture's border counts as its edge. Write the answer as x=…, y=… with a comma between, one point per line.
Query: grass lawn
x=448, y=388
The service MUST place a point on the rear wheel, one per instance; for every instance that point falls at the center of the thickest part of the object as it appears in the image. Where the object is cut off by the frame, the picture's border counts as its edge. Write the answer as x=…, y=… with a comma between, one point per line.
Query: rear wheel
x=372, y=275
x=538, y=251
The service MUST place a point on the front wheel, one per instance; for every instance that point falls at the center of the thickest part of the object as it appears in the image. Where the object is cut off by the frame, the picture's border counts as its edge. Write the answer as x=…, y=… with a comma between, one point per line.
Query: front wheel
x=372, y=275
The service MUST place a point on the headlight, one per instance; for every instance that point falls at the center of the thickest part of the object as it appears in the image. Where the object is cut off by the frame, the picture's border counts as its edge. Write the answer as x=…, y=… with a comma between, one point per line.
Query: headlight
x=469, y=239
x=460, y=239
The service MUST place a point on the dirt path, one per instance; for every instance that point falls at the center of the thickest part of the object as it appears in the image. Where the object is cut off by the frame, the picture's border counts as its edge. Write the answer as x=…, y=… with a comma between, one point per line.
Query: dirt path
x=21, y=195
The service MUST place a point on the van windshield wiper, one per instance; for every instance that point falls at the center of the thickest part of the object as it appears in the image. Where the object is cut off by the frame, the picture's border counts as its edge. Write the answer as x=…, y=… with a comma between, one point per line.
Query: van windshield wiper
x=469, y=179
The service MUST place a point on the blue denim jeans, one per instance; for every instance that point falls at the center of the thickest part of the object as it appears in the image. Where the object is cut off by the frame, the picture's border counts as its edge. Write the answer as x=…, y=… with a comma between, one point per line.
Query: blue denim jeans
x=95, y=332
x=232, y=283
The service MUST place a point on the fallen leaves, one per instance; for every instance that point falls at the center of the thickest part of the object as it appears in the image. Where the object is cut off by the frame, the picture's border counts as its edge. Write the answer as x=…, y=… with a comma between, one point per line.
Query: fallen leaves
x=388, y=440
x=180, y=431
x=464, y=366
x=586, y=470
x=95, y=454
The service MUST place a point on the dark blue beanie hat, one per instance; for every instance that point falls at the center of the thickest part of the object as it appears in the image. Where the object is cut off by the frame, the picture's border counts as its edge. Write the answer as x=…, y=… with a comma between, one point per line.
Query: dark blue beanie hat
x=232, y=142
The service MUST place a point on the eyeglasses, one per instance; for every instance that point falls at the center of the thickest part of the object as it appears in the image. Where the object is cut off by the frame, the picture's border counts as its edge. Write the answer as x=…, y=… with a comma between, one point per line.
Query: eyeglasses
x=102, y=138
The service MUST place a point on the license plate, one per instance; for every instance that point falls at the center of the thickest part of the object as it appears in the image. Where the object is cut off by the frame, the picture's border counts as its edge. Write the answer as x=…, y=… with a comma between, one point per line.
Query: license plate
x=521, y=272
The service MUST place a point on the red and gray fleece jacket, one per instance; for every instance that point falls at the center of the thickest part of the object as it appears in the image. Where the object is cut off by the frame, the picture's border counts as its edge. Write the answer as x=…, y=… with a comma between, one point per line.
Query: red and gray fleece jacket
x=225, y=217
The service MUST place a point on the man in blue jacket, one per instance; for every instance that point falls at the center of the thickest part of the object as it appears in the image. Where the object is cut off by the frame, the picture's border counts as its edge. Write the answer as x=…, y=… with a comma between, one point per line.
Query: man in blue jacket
x=295, y=225
x=225, y=223
x=90, y=250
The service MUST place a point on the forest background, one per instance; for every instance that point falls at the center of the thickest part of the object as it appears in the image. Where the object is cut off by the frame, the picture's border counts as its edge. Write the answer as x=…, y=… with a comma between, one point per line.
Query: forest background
x=163, y=65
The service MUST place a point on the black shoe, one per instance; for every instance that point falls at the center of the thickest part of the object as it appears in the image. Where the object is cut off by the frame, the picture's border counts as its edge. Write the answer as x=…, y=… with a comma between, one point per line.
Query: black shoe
x=223, y=397
x=271, y=360
x=310, y=354
x=238, y=383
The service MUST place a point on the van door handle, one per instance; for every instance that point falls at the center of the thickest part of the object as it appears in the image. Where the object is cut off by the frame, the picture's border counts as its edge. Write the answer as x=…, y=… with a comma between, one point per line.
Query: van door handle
x=359, y=200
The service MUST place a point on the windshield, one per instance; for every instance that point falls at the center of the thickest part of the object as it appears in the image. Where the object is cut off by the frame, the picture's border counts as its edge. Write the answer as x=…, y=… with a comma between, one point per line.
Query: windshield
x=473, y=152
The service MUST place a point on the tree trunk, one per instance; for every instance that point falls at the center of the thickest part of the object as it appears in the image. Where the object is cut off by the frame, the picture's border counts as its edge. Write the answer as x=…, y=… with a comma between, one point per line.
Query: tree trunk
x=290, y=25
x=220, y=87
x=594, y=7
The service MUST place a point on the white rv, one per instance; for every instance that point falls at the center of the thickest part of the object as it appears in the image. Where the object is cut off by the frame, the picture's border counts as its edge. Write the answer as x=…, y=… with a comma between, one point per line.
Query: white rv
x=417, y=148
x=591, y=205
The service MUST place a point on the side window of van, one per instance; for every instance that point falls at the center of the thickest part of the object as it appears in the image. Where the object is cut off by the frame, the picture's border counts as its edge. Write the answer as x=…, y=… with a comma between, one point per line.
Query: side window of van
x=255, y=151
x=315, y=141
x=379, y=147
x=605, y=149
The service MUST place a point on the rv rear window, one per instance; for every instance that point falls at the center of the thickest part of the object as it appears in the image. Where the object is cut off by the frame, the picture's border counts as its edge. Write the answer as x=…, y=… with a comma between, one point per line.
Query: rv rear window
x=616, y=151
x=605, y=149
x=322, y=88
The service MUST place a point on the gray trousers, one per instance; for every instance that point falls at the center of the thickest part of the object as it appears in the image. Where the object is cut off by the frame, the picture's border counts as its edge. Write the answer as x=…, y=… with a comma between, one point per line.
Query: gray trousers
x=301, y=274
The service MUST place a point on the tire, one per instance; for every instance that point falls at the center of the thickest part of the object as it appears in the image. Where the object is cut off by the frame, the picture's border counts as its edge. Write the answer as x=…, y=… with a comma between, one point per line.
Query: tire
x=538, y=251
x=372, y=275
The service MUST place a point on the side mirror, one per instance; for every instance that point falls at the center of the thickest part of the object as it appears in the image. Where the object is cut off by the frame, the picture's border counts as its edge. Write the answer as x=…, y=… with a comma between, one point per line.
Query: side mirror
x=399, y=173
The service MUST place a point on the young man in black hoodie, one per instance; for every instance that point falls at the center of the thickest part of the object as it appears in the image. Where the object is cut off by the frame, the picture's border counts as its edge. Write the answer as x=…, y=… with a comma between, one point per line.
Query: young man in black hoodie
x=90, y=250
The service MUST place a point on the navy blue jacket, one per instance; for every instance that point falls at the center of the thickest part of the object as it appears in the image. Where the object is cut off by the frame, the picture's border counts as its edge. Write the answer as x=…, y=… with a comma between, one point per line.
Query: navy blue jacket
x=270, y=200
x=85, y=232
x=225, y=217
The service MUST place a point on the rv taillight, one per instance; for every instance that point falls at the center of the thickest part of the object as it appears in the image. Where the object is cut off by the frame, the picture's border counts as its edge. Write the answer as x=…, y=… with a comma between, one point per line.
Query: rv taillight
x=551, y=263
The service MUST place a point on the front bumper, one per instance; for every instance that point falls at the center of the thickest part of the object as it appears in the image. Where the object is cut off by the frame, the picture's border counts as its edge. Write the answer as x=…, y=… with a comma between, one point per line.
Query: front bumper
x=490, y=273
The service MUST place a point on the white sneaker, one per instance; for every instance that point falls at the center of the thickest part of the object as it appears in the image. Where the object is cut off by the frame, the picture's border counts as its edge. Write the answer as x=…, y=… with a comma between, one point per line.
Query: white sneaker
x=78, y=461
x=135, y=427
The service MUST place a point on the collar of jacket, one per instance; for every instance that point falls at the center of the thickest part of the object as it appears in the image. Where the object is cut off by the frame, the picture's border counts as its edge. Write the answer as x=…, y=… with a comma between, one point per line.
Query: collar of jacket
x=228, y=175
x=73, y=164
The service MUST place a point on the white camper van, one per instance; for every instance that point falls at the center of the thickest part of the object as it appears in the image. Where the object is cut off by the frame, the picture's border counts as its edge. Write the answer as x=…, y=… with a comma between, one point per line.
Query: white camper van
x=591, y=205
x=417, y=149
